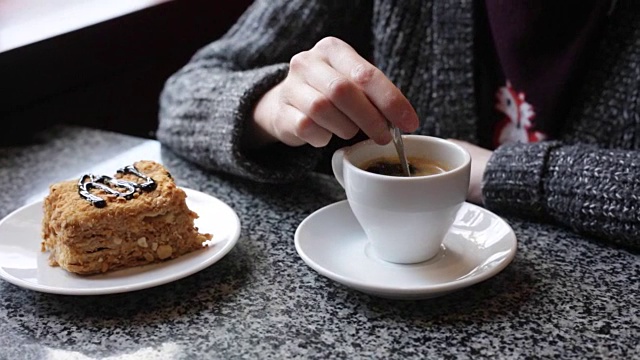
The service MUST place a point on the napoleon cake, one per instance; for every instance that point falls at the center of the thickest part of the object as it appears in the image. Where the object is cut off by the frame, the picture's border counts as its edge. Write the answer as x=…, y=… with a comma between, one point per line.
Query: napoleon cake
x=101, y=223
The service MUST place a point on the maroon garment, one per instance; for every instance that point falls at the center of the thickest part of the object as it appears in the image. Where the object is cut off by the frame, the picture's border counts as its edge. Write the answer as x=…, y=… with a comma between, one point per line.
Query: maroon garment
x=531, y=59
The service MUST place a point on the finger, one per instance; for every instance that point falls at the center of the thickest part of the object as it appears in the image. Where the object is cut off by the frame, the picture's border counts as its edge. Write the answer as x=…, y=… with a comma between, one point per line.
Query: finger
x=321, y=110
x=385, y=96
x=295, y=129
x=346, y=97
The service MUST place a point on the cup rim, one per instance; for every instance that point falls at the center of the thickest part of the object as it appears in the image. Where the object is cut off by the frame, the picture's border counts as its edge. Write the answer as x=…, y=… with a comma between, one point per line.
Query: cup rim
x=466, y=162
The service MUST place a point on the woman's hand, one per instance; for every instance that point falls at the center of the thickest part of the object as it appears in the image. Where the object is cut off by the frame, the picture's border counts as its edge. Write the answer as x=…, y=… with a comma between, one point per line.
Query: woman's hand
x=479, y=159
x=330, y=90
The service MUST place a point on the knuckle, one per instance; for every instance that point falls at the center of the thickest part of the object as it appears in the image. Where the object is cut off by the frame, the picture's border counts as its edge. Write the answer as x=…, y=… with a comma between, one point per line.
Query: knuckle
x=298, y=60
x=284, y=126
x=319, y=105
x=339, y=87
x=328, y=43
x=362, y=74
x=303, y=126
x=308, y=131
x=393, y=99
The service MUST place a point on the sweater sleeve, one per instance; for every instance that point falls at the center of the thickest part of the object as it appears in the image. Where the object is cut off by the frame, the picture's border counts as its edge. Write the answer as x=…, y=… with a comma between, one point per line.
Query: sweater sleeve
x=592, y=190
x=204, y=106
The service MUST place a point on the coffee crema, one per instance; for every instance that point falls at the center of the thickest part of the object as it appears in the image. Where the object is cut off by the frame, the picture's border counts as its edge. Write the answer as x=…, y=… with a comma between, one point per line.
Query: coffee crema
x=390, y=165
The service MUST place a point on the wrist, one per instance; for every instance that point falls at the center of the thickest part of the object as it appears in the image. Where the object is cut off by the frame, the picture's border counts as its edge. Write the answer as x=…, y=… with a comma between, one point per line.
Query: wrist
x=259, y=128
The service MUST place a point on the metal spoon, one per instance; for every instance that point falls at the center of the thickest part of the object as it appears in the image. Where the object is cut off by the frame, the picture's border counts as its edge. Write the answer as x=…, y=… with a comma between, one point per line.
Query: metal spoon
x=397, y=141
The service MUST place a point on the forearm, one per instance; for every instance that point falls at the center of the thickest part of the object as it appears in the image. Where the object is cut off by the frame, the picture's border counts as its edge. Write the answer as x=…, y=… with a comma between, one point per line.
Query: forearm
x=591, y=190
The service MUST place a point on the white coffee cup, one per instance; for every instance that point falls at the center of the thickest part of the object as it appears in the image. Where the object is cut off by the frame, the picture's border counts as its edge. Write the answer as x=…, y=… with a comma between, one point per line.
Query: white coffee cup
x=405, y=218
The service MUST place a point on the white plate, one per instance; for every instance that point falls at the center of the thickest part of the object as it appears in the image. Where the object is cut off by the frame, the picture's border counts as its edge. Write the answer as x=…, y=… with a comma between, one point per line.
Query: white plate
x=23, y=264
x=479, y=245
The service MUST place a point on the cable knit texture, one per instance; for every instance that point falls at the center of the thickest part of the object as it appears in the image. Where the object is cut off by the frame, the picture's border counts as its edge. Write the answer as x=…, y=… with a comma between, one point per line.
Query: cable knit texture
x=588, y=179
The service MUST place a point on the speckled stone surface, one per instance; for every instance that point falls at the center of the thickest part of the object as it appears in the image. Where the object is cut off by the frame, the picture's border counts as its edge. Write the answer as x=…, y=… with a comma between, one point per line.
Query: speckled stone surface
x=563, y=296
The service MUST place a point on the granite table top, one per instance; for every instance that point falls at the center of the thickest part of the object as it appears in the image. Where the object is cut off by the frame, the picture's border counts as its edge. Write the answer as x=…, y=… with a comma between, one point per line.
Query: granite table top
x=563, y=296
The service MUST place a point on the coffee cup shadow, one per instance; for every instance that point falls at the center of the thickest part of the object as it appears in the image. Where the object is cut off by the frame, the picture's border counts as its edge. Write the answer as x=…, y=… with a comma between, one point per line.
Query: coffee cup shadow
x=489, y=300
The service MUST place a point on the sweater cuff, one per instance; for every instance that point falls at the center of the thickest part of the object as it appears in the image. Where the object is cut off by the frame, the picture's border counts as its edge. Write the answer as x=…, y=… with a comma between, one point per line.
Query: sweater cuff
x=513, y=179
x=276, y=163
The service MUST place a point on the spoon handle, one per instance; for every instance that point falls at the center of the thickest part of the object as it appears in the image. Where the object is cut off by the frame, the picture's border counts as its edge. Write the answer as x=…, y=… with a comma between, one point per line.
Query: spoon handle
x=397, y=141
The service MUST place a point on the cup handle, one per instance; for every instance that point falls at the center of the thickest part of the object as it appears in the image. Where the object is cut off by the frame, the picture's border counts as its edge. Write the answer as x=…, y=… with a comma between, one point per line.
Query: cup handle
x=337, y=163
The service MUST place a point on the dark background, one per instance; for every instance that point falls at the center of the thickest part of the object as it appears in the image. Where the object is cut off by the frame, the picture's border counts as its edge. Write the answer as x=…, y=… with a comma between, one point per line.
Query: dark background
x=107, y=75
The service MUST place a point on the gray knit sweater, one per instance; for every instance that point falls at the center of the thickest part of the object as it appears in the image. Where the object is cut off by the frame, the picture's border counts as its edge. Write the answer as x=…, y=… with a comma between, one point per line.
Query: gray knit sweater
x=588, y=179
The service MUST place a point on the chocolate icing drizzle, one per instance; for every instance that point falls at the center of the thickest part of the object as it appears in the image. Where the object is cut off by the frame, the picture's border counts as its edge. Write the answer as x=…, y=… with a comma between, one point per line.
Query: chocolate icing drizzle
x=110, y=186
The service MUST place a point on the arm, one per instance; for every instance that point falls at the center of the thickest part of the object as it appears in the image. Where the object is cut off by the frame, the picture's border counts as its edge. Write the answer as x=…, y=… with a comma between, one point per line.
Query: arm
x=205, y=107
x=592, y=190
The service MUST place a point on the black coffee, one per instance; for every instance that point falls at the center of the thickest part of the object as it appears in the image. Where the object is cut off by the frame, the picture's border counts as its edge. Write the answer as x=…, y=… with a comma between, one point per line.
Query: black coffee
x=391, y=166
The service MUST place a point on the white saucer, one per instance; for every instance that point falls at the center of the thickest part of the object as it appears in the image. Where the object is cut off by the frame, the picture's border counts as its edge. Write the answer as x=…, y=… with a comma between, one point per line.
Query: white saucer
x=479, y=245
x=23, y=264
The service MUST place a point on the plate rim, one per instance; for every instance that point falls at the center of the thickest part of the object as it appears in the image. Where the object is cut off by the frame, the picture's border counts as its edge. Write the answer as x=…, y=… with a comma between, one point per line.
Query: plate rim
x=427, y=291
x=199, y=266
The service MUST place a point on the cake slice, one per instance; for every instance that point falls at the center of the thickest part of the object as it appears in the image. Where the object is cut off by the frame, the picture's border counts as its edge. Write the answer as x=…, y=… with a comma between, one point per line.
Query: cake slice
x=98, y=224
